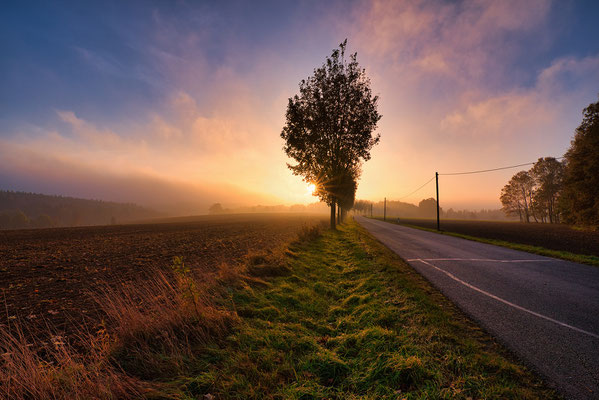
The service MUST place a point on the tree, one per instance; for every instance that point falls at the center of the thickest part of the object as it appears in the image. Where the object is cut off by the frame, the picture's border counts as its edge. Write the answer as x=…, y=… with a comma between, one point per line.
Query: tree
x=216, y=208
x=580, y=197
x=517, y=196
x=427, y=208
x=346, y=191
x=511, y=201
x=329, y=125
x=362, y=206
x=548, y=175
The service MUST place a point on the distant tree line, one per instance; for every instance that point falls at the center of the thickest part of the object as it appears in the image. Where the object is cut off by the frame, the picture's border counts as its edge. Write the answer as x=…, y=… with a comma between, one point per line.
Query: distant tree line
x=317, y=207
x=567, y=191
x=426, y=208
x=20, y=210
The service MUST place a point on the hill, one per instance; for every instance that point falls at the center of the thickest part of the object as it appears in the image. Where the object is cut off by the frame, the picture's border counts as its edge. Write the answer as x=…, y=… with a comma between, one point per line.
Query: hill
x=19, y=210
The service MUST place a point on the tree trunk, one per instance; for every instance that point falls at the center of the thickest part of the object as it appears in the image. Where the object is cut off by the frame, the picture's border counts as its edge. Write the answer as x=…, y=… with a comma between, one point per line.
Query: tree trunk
x=519, y=210
x=333, y=215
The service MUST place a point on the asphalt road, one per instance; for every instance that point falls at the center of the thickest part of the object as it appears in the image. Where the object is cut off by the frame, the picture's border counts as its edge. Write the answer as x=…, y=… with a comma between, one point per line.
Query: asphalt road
x=543, y=309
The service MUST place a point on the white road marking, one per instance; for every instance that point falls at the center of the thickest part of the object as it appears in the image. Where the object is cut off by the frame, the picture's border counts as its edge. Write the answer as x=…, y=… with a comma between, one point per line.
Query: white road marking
x=481, y=259
x=526, y=310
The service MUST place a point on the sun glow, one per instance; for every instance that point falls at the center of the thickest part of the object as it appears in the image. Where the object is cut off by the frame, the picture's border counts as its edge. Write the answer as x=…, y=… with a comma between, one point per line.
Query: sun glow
x=311, y=188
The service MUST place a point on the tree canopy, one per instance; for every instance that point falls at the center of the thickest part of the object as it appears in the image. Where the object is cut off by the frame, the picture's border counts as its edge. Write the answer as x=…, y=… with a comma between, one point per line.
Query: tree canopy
x=580, y=198
x=535, y=193
x=329, y=128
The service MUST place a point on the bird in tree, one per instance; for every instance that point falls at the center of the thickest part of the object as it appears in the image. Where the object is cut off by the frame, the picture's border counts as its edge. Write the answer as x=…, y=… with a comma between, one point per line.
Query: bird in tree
x=329, y=127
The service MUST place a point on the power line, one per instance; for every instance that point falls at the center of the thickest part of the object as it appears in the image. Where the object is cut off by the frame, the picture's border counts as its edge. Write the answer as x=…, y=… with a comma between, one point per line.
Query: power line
x=494, y=169
x=407, y=195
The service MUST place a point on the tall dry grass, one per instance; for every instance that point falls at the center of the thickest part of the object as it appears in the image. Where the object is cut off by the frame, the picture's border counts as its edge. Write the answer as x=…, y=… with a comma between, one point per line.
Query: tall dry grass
x=152, y=328
x=56, y=371
x=158, y=324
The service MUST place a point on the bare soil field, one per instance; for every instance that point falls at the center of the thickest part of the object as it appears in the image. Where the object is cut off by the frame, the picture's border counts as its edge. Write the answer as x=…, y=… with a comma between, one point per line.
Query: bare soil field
x=549, y=236
x=46, y=275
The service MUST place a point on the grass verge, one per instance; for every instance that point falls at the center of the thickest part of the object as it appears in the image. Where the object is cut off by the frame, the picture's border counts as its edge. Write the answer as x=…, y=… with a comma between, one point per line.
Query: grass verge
x=342, y=317
x=564, y=255
x=335, y=315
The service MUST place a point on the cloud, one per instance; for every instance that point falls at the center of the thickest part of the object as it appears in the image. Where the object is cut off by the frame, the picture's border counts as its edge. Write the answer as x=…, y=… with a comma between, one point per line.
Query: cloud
x=530, y=111
x=89, y=133
x=499, y=117
x=570, y=74
x=464, y=40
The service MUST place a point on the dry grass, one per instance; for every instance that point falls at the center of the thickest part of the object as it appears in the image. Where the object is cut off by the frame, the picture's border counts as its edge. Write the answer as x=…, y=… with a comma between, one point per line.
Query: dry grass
x=157, y=325
x=310, y=233
x=153, y=330
x=56, y=371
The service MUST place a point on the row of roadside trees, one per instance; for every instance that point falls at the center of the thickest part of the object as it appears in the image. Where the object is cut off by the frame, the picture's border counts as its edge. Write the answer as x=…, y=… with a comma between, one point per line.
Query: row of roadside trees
x=329, y=129
x=533, y=194
x=561, y=191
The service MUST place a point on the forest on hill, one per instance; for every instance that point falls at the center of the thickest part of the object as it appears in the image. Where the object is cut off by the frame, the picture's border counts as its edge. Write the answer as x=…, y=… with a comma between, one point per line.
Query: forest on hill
x=20, y=210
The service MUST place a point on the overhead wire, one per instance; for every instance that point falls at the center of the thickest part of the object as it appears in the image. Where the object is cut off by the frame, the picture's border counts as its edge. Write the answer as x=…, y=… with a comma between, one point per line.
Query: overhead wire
x=470, y=172
x=494, y=169
x=426, y=183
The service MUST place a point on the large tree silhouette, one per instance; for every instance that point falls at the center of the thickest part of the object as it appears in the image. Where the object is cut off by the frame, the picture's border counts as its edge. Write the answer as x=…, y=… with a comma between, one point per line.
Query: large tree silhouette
x=329, y=128
x=580, y=197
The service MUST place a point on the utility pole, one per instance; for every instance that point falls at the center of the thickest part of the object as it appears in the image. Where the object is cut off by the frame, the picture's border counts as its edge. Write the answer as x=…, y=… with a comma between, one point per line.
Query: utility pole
x=437, y=182
x=385, y=210
x=370, y=210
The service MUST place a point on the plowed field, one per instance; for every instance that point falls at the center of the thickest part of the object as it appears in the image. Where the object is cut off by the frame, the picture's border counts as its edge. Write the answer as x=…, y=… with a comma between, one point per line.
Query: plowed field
x=46, y=275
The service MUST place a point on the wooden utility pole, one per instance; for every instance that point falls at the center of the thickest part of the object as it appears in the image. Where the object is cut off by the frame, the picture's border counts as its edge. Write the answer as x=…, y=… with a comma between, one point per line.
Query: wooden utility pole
x=385, y=210
x=437, y=182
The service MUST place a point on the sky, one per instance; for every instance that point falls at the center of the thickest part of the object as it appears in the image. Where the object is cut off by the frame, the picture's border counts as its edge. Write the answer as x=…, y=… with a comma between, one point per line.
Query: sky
x=180, y=104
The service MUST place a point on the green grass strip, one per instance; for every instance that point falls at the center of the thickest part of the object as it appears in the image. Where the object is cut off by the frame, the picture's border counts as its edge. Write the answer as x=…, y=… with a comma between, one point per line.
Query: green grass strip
x=564, y=255
x=350, y=320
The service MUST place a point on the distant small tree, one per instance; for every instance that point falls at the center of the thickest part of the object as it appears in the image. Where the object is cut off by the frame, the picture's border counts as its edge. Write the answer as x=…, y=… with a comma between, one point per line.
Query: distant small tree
x=580, y=197
x=329, y=126
x=427, y=208
x=216, y=208
x=362, y=206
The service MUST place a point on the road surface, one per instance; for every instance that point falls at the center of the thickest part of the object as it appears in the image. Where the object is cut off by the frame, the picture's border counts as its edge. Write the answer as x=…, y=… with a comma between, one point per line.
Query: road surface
x=543, y=309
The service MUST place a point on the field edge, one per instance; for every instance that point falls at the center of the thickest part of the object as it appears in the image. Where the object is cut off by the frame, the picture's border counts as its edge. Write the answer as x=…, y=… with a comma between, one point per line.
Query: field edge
x=563, y=255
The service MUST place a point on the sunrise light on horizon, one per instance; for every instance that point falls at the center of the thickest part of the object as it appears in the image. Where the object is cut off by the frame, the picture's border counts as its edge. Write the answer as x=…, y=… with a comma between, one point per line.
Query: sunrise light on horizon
x=166, y=103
